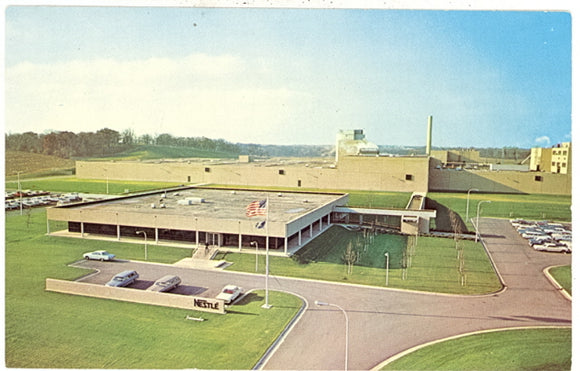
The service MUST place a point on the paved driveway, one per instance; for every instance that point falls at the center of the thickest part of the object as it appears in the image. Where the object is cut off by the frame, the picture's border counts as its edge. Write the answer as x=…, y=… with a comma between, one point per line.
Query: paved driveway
x=384, y=322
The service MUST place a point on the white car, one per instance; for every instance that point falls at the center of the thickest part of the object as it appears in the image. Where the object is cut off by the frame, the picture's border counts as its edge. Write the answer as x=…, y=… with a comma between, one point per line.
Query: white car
x=101, y=255
x=230, y=293
x=552, y=247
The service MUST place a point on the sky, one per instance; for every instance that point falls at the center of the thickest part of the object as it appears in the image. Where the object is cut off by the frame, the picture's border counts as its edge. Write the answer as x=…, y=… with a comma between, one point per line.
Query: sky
x=292, y=76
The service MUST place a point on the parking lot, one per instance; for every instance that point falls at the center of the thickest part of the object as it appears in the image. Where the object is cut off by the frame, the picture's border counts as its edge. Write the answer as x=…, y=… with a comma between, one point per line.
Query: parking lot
x=191, y=283
x=544, y=235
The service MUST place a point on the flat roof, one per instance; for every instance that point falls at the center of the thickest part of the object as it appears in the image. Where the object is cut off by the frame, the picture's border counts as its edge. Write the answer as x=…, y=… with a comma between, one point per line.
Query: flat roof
x=217, y=203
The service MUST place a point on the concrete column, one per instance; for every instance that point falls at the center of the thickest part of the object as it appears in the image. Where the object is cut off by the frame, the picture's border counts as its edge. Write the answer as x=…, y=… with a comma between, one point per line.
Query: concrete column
x=82, y=229
x=118, y=232
x=310, y=230
x=300, y=237
x=285, y=245
x=156, y=235
x=320, y=224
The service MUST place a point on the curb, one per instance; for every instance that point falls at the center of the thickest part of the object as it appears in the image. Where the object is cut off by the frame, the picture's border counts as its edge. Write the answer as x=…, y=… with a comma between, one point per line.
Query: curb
x=280, y=339
x=556, y=284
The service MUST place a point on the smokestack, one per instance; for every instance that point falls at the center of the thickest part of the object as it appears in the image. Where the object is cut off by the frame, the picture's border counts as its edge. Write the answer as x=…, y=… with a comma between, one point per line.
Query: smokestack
x=429, y=131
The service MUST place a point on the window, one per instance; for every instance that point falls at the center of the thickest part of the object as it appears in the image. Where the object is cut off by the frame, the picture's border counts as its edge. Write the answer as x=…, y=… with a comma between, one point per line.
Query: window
x=207, y=169
x=565, y=153
x=299, y=183
x=408, y=176
x=538, y=178
x=281, y=172
x=563, y=164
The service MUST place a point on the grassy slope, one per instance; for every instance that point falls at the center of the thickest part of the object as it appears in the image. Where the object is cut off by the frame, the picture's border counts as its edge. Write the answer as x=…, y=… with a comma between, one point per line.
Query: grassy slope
x=33, y=163
x=534, y=207
x=51, y=330
x=433, y=265
x=534, y=349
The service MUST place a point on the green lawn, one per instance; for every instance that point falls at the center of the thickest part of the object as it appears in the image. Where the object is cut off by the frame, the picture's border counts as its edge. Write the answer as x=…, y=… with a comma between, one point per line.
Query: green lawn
x=533, y=349
x=52, y=330
x=432, y=266
x=73, y=184
x=564, y=277
x=534, y=207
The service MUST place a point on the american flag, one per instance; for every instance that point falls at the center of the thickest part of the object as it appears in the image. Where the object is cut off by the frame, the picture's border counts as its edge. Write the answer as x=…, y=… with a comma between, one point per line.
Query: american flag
x=256, y=208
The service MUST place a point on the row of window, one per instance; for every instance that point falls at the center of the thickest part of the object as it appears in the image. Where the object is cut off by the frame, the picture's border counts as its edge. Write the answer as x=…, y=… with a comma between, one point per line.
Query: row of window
x=283, y=172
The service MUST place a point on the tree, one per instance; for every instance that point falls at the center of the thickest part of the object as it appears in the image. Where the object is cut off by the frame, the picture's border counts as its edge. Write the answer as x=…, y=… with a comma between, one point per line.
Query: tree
x=350, y=257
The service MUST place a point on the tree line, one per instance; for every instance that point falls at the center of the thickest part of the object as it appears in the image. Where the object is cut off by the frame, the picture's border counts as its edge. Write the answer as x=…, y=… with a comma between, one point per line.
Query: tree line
x=105, y=142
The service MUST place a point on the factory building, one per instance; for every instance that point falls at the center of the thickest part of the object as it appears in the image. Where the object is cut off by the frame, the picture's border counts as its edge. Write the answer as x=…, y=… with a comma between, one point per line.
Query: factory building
x=200, y=216
x=220, y=217
x=358, y=165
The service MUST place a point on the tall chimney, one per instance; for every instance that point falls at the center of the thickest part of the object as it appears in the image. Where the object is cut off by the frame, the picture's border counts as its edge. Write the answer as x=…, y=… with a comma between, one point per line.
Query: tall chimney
x=429, y=131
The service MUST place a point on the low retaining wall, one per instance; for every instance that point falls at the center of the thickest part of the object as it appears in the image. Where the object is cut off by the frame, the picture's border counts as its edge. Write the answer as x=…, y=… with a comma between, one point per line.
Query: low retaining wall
x=136, y=296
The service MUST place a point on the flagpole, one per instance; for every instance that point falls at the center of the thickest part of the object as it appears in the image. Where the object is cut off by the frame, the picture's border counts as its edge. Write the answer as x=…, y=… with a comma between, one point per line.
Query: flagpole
x=266, y=304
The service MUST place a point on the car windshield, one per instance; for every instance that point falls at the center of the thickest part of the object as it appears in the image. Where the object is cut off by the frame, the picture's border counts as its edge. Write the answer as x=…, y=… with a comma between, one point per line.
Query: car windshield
x=119, y=278
x=228, y=291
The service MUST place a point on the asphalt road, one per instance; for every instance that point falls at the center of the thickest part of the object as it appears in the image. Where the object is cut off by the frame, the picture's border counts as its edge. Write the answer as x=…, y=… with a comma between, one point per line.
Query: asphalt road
x=384, y=322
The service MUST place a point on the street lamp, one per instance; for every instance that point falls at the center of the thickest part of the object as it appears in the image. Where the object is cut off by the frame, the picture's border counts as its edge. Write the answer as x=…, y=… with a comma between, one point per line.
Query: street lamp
x=145, y=234
x=467, y=208
x=321, y=303
x=387, y=269
x=477, y=220
x=20, y=191
x=255, y=243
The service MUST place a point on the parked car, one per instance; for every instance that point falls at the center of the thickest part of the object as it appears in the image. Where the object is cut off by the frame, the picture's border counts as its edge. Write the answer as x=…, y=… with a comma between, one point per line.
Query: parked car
x=229, y=293
x=165, y=283
x=101, y=255
x=122, y=279
x=552, y=247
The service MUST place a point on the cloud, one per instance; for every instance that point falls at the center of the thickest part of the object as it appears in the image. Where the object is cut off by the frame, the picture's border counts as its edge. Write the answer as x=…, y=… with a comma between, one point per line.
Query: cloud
x=197, y=95
x=543, y=140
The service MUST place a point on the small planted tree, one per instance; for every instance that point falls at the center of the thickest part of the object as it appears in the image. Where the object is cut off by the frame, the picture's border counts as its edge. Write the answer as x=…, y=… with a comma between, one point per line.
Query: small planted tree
x=350, y=257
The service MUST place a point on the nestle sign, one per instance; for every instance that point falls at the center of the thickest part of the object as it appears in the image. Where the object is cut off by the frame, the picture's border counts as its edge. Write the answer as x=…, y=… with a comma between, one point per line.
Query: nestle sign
x=209, y=305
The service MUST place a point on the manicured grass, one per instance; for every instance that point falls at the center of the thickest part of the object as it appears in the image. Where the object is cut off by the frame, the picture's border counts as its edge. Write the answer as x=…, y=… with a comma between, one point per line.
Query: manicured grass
x=433, y=264
x=72, y=184
x=533, y=207
x=52, y=330
x=533, y=349
x=564, y=277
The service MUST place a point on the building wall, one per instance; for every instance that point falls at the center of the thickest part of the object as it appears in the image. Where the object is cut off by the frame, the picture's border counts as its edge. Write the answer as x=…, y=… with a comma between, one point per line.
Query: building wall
x=500, y=182
x=400, y=174
x=396, y=174
x=540, y=159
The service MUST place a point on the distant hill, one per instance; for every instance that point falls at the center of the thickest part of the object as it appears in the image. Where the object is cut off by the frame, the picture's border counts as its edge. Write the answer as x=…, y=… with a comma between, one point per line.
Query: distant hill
x=155, y=152
x=34, y=163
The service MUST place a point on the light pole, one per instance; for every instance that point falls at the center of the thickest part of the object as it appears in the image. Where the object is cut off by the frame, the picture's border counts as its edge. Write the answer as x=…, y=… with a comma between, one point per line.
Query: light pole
x=145, y=234
x=255, y=243
x=467, y=208
x=321, y=303
x=20, y=191
x=477, y=219
x=387, y=269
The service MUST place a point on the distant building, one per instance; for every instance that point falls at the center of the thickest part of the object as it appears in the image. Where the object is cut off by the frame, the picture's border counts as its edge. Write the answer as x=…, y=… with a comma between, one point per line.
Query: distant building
x=556, y=160
x=561, y=159
x=354, y=143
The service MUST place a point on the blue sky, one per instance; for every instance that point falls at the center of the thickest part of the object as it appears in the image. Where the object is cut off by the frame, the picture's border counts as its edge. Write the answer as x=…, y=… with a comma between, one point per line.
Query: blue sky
x=292, y=76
